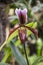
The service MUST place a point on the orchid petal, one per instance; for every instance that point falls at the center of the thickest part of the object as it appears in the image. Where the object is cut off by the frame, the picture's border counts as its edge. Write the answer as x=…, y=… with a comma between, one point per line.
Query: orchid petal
x=13, y=30
x=34, y=31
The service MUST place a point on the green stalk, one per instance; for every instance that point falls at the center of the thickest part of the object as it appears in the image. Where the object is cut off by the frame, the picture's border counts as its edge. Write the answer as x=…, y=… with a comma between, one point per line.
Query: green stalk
x=25, y=54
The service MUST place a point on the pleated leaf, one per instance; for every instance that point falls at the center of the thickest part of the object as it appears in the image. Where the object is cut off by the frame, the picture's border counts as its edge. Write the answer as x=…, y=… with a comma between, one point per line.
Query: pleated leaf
x=18, y=56
x=4, y=63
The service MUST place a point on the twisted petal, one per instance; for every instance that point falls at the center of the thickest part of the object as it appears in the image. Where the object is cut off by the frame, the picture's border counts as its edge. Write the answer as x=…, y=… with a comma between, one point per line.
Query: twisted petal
x=35, y=32
x=14, y=29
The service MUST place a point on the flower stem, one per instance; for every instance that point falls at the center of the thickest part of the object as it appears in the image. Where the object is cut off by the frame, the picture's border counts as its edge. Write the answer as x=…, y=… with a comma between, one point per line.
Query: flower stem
x=26, y=54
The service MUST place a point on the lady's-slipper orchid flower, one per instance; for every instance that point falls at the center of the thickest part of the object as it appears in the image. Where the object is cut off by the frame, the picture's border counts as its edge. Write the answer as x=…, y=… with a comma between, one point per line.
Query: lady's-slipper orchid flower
x=22, y=15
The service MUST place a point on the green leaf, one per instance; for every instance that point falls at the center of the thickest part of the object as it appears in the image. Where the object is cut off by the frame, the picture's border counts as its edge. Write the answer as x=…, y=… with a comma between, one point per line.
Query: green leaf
x=38, y=60
x=7, y=54
x=34, y=25
x=17, y=43
x=32, y=59
x=9, y=39
x=17, y=5
x=40, y=63
x=30, y=24
x=20, y=5
x=19, y=58
x=4, y=63
x=39, y=46
x=12, y=18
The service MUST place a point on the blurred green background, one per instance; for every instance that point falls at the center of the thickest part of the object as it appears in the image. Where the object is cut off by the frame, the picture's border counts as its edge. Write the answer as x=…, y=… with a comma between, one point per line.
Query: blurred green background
x=13, y=53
